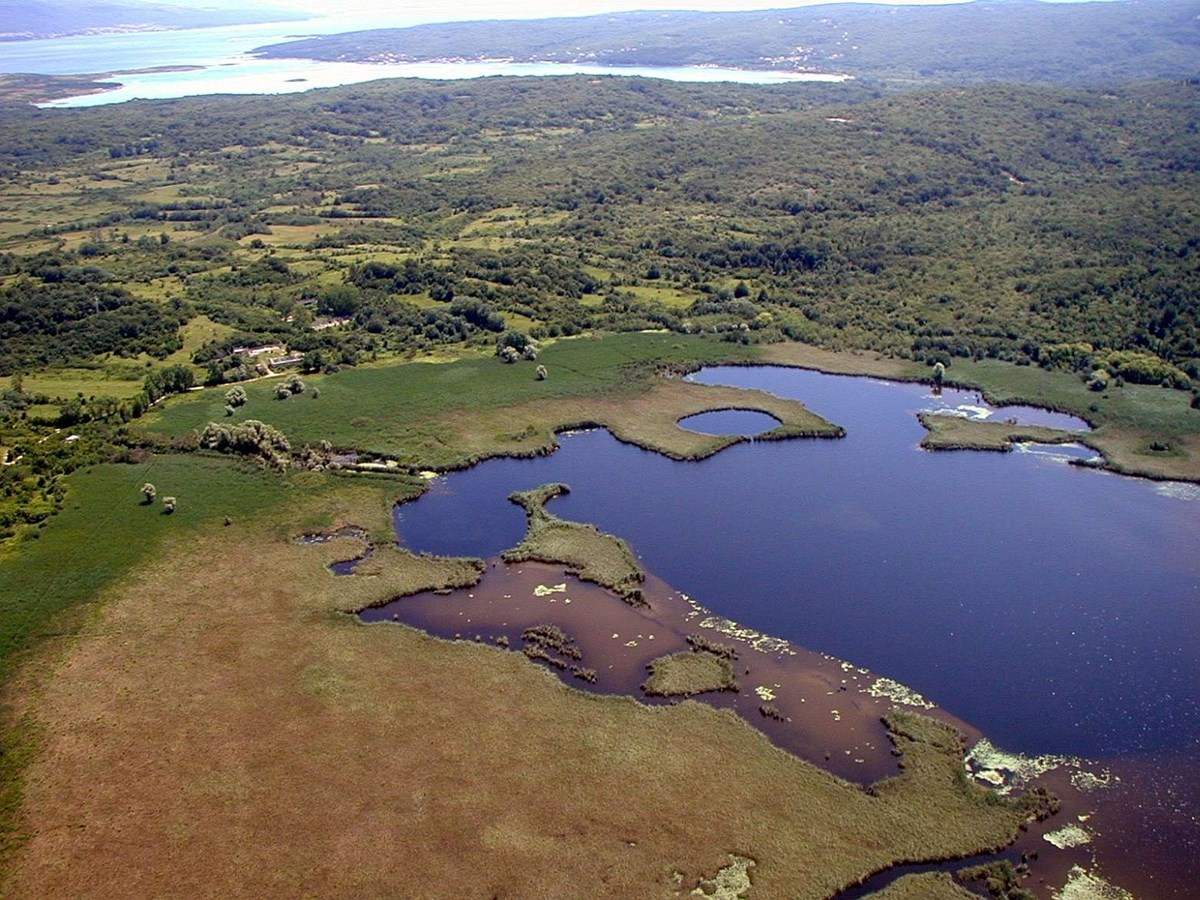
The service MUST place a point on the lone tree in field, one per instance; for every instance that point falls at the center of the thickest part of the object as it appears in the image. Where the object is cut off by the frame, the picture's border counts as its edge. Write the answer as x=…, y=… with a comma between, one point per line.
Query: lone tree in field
x=541, y=373
x=512, y=345
x=168, y=505
x=939, y=374
x=149, y=492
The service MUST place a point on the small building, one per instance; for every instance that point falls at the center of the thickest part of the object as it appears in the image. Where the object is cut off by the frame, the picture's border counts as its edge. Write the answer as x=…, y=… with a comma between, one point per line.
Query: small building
x=286, y=362
x=255, y=352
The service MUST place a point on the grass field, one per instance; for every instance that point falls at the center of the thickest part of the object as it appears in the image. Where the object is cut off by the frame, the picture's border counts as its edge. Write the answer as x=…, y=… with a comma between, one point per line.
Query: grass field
x=224, y=641
x=439, y=415
x=103, y=381
x=50, y=583
x=416, y=411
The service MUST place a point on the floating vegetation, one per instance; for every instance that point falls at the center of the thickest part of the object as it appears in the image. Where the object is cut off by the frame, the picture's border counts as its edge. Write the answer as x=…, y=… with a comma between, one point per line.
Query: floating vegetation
x=1068, y=836
x=887, y=689
x=1084, y=885
x=1008, y=771
x=763, y=643
x=731, y=882
x=1091, y=781
x=545, y=590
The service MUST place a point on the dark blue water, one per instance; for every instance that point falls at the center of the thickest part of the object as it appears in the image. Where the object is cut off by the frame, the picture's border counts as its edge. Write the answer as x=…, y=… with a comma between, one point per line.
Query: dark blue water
x=1057, y=608
x=744, y=422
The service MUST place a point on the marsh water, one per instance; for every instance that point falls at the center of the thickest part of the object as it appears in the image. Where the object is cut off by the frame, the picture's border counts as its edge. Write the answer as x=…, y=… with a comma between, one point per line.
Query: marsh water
x=1053, y=606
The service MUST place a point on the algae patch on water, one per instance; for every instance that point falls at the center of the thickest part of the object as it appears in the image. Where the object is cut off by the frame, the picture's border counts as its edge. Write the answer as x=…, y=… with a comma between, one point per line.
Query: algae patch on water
x=887, y=689
x=1007, y=772
x=1068, y=836
x=1084, y=885
x=763, y=643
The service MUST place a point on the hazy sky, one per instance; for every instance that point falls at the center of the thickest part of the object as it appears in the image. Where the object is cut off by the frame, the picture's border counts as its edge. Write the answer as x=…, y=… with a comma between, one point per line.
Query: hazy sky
x=432, y=10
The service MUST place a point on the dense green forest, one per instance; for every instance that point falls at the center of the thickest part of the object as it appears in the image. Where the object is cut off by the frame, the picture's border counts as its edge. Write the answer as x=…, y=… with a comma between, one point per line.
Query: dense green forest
x=143, y=245
x=1008, y=40
x=991, y=222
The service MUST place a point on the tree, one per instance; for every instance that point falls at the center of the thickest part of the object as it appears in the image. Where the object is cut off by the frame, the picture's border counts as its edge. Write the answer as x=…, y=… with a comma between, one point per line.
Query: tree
x=168, y=505
x=541, y=373
x=512, y=340
x=314, y=361
x=295, y=385
x=236, y=396
x=939, y=374
x=149, y=492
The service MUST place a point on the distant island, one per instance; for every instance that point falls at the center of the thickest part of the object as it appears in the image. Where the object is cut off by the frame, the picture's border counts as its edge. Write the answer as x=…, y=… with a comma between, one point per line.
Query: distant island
x=1007, y=40
x=39, y=19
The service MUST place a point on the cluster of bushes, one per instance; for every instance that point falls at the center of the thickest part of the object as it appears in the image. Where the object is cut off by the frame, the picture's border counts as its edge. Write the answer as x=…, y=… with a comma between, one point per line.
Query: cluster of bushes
x=250, y=438
x=294, y=385
x=1098, y=366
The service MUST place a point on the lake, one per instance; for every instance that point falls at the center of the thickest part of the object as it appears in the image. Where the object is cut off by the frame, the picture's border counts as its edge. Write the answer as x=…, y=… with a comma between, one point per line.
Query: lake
x=225, y=66
x=1054, y=607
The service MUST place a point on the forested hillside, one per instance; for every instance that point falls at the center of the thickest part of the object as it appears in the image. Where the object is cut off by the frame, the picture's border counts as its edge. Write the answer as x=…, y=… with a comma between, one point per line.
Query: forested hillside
x=1006, y=40
x=992, y=222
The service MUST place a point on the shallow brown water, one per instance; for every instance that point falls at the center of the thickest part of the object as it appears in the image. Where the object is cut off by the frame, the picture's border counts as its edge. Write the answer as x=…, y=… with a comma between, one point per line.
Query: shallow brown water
x=829, y=716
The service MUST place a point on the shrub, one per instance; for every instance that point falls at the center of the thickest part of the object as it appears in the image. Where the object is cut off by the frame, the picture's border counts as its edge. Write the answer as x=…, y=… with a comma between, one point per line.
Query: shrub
x=282, y=392
x=1098, y=381
x=168, y=505
x=1143, y=368
x=149, y=492
x=541, y=373
x=236, y=396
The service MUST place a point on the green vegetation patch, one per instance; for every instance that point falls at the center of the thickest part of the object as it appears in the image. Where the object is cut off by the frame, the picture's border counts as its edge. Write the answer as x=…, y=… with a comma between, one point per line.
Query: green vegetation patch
x=391, y=409
x=923, y=886
x=588, y=552
x=687, y=673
